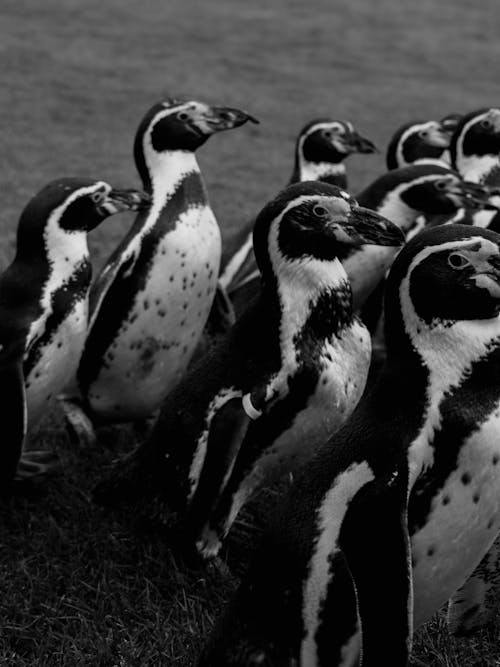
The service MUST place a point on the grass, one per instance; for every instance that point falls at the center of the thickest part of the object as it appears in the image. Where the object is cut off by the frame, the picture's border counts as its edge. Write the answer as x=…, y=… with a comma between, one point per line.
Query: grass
x=78, y=585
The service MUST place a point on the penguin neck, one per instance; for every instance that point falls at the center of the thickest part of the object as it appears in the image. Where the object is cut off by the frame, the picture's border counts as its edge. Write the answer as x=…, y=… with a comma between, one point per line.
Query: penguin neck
x=167, y=172
x=331, y=172
x=315, y=302
x=479, y=168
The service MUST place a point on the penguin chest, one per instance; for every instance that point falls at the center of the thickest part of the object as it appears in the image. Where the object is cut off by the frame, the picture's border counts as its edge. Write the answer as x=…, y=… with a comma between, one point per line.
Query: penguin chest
x=56, y=354
x=154, y=345
x=462, y=522
x=343, y=367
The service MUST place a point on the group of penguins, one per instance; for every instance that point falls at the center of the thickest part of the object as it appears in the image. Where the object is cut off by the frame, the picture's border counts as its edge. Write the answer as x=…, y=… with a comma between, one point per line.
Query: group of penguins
x=258, y=364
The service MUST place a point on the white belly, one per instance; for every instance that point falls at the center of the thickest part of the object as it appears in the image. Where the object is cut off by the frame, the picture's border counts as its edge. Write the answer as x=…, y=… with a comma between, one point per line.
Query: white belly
x=154, y=346
x=57, y=364
x=464, y=521
x=366, y=269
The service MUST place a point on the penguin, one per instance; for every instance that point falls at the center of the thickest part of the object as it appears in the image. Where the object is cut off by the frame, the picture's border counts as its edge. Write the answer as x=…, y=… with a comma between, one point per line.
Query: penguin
x=151, y=300
x=320, y=151
x=44, y=307
x=475, y=151
x=475, y=154
x=290, y=371
x=398, y=507
x=417, y=141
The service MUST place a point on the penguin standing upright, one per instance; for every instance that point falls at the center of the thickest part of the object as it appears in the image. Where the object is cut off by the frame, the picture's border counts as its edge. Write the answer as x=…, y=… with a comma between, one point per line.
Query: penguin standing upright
x=399, y=506
x=286, y=376
x=320, y=152
x=152, y=298
x=44, y=305
x=417, y=141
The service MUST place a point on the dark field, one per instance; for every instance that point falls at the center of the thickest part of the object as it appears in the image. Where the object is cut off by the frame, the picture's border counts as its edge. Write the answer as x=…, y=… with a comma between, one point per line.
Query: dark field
x=79, y=585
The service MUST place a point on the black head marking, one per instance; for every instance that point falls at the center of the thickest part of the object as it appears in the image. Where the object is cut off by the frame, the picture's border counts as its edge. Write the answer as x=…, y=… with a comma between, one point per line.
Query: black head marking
x=176, y=125
x=455, y=276
x=416, y=140
x=477, y=134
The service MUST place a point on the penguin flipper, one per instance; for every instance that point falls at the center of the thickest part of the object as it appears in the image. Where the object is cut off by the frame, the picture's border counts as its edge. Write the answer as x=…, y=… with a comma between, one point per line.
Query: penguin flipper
x=227, y=432
x=375, y=541
x=14, y=419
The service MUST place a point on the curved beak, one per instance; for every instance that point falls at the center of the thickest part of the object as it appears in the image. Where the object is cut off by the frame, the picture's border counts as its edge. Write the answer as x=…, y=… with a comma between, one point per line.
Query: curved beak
x=124, y=200
x=487, y=274
x=475, y=196
x=225, y=118
x=356, y=143
x=366, y=227
x=450, y=122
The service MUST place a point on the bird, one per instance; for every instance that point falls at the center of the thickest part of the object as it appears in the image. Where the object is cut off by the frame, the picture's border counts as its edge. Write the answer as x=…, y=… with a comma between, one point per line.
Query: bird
x=44, y=308
x=320, y=151
x=419, y=140
x=475, y=154
x=150, y=302
x=398, y=507
x=290, y=371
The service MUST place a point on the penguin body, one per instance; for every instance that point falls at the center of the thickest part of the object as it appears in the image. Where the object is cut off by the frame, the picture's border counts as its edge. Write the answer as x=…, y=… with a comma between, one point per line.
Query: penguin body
x=151, y=301
x=402, y=502
x=251, y=410
x=44, y=299
x=417, y=141
x=320, y=151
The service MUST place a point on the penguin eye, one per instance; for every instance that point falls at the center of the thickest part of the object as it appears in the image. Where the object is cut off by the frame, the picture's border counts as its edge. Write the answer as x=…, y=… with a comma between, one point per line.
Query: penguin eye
x=457, y=261
x=320, y=211
x=182, y=115
x=423, y=134
x=441, y=185
x=97, y=196
x=328, y=134
x=487, y=124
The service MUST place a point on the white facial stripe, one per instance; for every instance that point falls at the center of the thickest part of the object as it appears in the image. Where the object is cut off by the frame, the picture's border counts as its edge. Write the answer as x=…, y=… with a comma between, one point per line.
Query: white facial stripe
x=410, y=131
x=447, y=351
x=329, y=517
x=475, y=168
x=315, y=171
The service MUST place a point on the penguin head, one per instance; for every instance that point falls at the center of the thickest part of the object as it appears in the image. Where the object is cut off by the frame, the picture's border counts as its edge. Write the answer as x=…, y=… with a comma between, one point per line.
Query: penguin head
x=477, y=134
x=314, y=222
x=182, y=125
x=417, y=140
x=326, y=140
x=443, y=276
x=78, y=204
x=423, y=188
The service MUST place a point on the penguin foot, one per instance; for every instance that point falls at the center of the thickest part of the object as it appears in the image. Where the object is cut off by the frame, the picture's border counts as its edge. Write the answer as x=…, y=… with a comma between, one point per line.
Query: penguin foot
x=78, y=425
x=35, y=464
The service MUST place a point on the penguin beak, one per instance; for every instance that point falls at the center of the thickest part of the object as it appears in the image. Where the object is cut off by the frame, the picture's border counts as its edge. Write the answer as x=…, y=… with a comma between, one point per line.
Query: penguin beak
x=218, y=119
x=366, y=227
x=487, y=275
x=438, y=136
x=356, y=143
x=475, y=196
x=124, y=200
x=450, y=123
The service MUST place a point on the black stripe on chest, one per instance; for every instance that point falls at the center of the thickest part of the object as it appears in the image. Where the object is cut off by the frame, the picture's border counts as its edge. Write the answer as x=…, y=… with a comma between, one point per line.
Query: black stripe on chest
x=117, y=305
x=463, y=411
x=63, y=300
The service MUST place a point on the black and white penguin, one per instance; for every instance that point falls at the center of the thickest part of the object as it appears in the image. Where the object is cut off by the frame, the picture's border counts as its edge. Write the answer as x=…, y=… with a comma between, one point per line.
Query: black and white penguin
x=286, y=376
x=417, y=141
x=401, y=504
x=475, y=154
x=44, y=307
x=151, y=300
x=320, y=152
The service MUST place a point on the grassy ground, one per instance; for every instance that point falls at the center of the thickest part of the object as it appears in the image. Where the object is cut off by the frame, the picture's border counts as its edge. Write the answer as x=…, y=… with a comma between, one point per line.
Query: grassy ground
x=80, y=586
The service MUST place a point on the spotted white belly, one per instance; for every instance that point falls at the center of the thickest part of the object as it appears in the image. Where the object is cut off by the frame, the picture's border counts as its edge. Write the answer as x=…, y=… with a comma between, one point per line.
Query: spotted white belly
x=57, y=363
x=464, y=521
x=153, y=347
